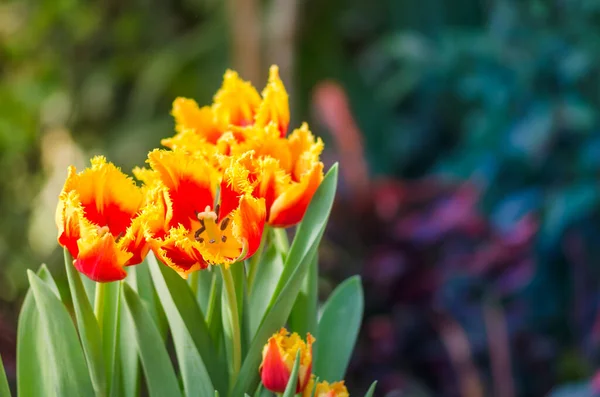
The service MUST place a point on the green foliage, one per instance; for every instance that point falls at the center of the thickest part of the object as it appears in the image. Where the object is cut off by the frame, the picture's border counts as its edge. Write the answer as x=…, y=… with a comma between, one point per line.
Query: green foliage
x=59, y=335
x=100, y=350
x=158, y=370
x=338, y=330
x=4, y=389
x=88, y=328
x=290, y=390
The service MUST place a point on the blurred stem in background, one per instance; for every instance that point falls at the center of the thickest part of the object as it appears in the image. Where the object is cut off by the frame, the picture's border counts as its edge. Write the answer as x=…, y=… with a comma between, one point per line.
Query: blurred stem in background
x=255, y=47
x=244, y=26
x=282, y=22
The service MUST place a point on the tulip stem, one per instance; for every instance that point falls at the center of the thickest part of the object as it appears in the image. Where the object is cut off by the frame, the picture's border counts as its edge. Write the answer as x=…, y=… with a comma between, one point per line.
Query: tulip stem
x=99, y=303
x=234, y=318
x=280, y=239
x=194, y=282
x=254, y=261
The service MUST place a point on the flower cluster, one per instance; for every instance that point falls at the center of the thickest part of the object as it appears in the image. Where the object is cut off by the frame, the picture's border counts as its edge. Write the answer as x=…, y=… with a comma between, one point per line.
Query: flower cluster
x=279, y=355
x=230, y=169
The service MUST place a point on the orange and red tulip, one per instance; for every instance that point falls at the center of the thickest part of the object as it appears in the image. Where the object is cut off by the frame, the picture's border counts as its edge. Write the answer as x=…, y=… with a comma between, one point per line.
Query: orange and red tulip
x=279, y=355
x=201, y=226
x=101, y=221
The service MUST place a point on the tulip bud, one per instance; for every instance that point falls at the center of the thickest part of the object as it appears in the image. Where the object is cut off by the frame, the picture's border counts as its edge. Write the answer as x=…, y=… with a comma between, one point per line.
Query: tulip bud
x=279, y=355
x=325, y=389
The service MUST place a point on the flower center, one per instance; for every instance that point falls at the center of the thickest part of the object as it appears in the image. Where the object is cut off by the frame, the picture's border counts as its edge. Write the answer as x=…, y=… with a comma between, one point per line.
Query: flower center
x=103, y=230
x=219, y=243
x=209, y=230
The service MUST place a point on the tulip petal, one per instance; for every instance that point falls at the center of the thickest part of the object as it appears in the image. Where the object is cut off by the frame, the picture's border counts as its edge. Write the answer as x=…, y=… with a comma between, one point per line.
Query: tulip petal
x=249, y=223
x=273, y=372
x=189, y=116
x=289, y=208
x=100, y=258
x=275, y=105
x=236, y=102
x=190, y=181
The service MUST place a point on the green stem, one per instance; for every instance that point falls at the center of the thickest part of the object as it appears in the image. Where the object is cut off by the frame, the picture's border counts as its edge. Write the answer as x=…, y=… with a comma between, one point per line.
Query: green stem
x=234, y=317
x=254, y=261
x=280, y=239
x=99, y=303
x=194, y=282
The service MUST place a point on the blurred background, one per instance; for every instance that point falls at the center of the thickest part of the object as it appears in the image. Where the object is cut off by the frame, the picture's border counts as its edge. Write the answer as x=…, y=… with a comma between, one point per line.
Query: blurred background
x=469, y=141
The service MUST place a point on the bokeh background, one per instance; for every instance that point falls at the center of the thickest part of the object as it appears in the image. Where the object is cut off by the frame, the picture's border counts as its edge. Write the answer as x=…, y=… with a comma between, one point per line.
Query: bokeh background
x=468, y=133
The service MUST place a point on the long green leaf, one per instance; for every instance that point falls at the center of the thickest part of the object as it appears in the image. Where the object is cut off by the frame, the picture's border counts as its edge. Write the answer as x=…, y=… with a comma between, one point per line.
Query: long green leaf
x=88, y=328
x=33, y=377
x=303, y=318
x=110, y=334
x=4, y=389
x=292, y=385
x=338, y=330
x=311, y=228
x=196, y=380
x=213, y=314
x=265, y=282
x=156, y=363
x=303, y=248
x=127, y=361
x=147, y=292
x=177, y=297
x=205, y=282
x=371, y=390
x=71, y=377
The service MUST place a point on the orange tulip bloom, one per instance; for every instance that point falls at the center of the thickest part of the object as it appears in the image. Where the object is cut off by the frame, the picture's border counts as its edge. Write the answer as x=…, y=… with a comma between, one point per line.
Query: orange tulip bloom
x=279, y=355
x=287, y=170
x=325, y=389
x=236, y=104
x=101, y=221
x=200, y=226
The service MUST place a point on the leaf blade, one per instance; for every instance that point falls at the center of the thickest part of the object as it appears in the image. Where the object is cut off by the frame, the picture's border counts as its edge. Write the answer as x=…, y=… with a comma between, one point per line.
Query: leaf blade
x=175, y=293
x=89, y=331
x=4, y=389
x=338, y=330
x=304, y=246
x=158, y=370
x=71, y=378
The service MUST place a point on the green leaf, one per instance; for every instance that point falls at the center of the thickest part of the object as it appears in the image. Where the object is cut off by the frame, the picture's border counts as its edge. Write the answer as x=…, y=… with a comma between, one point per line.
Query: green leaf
x=265, y=282
x=314, y=388
x=146, y=291
x=156, y=363
x=231, y=320
x=213, y=316
x=280, y=240
x=196, y=380
x=71, y=377
x=110, y=334
x=290, y=389
x=205, y=282
x=371, y=390
x=311, y=228
x=183, y=310
x=338, y=330
x=90, y=288
x=303, y=318
x=33, y=378
x=303, y=249
x=127, y=361
x=88, y=328
x=4, y=389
